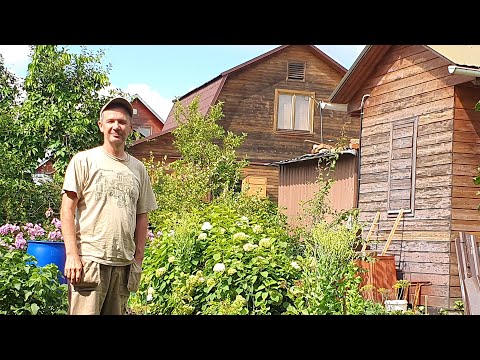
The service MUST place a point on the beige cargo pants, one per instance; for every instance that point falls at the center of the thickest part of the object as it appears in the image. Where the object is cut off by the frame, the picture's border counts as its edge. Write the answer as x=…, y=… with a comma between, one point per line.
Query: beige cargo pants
x=103, y=289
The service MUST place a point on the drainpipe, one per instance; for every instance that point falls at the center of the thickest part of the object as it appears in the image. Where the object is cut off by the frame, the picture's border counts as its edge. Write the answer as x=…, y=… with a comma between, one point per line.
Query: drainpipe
x=362, y=104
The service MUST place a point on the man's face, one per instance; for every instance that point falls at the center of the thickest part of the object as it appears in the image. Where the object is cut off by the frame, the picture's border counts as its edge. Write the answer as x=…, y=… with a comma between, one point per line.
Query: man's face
x=115, y=125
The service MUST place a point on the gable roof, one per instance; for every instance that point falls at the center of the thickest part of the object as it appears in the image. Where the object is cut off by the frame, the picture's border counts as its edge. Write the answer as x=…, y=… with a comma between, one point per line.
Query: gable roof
x=136, y=96
x=210, y=90
x=461, y=55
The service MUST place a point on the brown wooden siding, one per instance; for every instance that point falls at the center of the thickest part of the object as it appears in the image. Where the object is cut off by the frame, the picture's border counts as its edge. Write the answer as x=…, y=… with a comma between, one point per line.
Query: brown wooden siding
x=298, y=185
x=466, y=160
x=159, y=146
x=411, y=82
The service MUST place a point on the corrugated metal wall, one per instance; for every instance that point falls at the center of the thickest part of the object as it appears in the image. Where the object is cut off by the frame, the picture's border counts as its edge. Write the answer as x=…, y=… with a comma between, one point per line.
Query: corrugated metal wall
x=297, y=185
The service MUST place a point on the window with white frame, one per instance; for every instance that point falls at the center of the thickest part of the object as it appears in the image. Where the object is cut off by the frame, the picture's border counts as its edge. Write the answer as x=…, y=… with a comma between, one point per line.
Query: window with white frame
x=145, y=130
x=294, y=110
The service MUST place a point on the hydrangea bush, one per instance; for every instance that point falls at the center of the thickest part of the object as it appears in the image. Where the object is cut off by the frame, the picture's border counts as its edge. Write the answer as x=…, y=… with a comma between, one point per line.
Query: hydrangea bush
x=218, y=261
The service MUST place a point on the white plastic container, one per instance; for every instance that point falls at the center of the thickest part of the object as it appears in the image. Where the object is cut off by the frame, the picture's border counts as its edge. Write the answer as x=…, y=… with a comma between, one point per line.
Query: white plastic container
x=393, y=305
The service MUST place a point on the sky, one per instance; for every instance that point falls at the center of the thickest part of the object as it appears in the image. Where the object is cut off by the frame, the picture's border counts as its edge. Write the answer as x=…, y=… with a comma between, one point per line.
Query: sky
x=160, y=73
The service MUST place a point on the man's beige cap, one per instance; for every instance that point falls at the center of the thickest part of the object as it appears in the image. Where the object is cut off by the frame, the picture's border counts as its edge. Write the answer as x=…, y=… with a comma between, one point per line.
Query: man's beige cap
x=120, y=101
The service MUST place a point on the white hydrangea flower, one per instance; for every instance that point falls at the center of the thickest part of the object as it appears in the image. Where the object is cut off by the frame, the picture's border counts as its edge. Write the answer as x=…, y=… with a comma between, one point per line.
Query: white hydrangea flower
x=171, y=259
x=244, y=218
x=249, y=247
x=265, y=242
x=295, y=265
x=240, y=236
x=257, y=228
x=219, y=267
x=150, y=290
x=149, y=297
x=207, y=226
x=160, y=271
x=171, y=233
x=202, y=236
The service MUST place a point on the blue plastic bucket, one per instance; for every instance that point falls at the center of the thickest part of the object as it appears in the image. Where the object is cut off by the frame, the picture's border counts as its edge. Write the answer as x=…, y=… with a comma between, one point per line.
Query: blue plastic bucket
x=47, y=252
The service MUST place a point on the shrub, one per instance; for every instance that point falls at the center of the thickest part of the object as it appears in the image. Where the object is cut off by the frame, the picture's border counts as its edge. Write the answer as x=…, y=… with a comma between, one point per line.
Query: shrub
x=26, y=289
x=218, y=261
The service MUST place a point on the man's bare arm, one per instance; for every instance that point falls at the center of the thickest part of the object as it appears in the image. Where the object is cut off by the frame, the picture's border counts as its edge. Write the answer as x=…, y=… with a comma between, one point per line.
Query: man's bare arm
x=73, y=264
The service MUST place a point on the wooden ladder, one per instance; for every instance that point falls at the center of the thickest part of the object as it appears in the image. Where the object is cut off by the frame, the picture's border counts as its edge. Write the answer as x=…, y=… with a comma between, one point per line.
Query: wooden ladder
x=374, y=224
x=392, y=232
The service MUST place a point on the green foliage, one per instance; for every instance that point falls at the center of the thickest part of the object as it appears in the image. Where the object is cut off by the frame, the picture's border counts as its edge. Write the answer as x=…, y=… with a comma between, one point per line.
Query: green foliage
x=10, y=89
x=61, y=108
x=206, y=148
x=330, y=283
x=217, y=260
x=24, y=201
x=26, y=289
x=58, y=111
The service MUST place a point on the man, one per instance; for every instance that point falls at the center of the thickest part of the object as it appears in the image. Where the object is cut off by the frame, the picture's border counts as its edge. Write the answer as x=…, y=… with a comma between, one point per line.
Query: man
x=105, y=200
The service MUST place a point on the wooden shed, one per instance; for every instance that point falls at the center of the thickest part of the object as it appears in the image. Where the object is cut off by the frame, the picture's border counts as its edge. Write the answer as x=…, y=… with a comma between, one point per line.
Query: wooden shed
x=297, y=182
x=419, y=151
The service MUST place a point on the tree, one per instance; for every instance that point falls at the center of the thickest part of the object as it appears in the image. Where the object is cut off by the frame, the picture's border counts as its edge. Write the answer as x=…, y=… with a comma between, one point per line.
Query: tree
x=204, y=143
x=56, y=109
x=62, y=104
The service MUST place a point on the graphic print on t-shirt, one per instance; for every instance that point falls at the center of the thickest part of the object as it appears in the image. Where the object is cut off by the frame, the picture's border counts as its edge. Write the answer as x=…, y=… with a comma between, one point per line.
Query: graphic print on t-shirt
x=117, y=185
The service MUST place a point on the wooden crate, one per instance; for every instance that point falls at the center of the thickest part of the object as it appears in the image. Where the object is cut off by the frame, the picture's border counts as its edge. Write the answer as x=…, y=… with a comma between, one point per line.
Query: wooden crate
x=381, y=273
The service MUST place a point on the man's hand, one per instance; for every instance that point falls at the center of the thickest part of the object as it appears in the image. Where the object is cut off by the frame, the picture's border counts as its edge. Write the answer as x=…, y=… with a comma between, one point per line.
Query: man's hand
x=73, y=269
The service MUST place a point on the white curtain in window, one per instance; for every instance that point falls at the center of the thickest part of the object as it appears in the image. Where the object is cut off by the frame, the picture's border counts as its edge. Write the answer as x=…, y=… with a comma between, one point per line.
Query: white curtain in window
x=284, y=119
x=302, y=115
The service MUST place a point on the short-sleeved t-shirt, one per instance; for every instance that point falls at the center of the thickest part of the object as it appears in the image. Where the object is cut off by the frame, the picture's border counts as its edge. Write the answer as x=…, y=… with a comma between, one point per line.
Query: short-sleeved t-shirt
x=110, y=192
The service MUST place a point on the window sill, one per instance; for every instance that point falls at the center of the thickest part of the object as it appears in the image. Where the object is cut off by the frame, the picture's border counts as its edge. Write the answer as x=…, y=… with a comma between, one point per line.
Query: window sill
x=293, y=132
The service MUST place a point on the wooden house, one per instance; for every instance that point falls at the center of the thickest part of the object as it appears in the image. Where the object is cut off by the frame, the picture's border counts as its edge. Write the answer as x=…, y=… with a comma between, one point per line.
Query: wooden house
x=419, y=151
x=145, y=120
x=274, y=98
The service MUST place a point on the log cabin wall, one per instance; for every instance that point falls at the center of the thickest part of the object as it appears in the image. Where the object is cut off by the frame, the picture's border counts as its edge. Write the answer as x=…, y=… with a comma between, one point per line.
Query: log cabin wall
x=466, y=160
x=407, y=134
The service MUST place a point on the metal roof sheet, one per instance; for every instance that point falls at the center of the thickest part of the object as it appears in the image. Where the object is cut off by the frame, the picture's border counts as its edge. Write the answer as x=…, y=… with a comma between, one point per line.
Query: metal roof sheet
x=319, y=155
x=466, y=55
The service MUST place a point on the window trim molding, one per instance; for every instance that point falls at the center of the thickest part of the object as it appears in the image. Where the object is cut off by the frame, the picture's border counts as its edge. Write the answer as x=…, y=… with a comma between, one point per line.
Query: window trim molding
x=311, y=111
